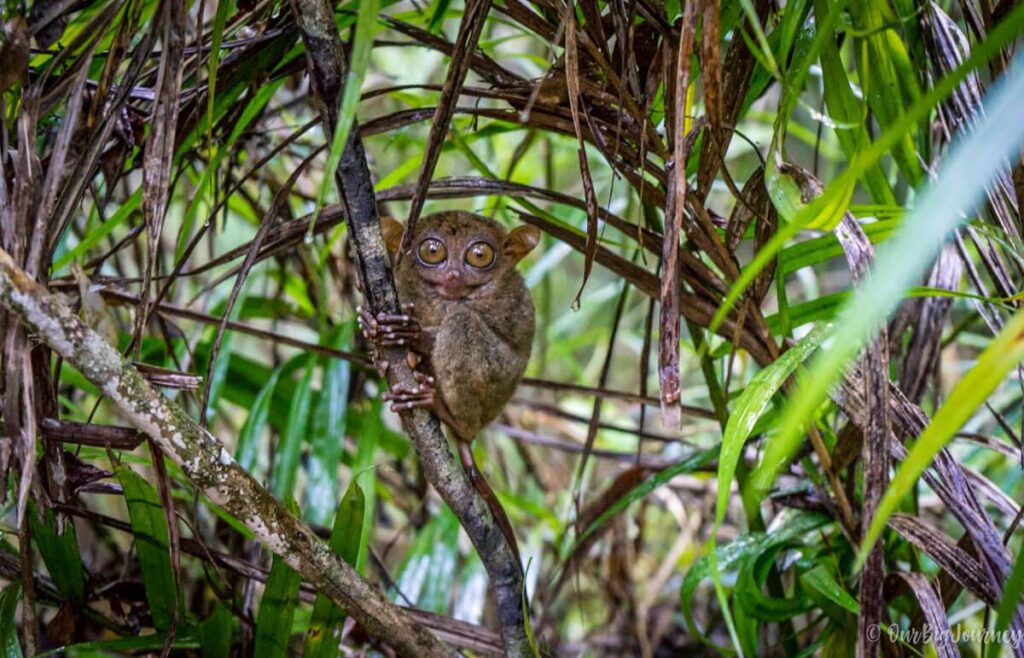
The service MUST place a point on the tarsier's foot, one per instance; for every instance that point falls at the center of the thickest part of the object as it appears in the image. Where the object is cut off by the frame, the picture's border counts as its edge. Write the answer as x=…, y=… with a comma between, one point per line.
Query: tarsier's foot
x=423, y=395
x=387, y=330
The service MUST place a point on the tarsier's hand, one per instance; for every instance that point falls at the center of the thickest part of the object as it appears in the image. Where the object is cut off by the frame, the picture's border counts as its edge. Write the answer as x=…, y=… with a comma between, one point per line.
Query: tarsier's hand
x=388, y=330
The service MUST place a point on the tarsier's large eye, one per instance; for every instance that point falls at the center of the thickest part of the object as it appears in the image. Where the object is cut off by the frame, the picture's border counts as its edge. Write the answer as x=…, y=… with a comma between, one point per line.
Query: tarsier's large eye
x=480, y=255
x=432, y=252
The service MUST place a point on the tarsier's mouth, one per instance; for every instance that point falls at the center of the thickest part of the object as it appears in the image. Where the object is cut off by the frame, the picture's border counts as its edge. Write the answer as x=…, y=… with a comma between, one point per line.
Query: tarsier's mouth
x=455, y=292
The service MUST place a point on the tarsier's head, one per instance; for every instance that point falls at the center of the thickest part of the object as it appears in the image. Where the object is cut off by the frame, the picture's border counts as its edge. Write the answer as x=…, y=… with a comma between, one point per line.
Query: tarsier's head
x=459, y=253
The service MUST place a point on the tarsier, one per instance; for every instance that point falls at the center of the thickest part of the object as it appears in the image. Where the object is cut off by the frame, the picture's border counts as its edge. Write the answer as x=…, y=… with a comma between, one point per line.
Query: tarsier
x=467, y=320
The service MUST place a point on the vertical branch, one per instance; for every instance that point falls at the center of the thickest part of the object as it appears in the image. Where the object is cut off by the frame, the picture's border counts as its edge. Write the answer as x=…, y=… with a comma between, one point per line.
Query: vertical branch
x=325, y=64
x=668, y=342
x=159, y=152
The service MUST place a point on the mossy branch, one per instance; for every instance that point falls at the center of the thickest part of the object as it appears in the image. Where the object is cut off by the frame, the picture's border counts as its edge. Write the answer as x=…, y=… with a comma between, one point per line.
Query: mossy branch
x=208, y=464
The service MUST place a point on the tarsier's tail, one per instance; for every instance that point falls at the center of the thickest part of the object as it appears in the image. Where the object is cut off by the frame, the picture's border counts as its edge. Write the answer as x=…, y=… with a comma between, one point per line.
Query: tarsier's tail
x=469, y=465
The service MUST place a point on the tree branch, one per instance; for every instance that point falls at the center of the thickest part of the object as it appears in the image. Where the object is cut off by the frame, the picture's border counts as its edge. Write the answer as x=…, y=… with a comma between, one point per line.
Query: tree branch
x=207, y=464
x=325, y=65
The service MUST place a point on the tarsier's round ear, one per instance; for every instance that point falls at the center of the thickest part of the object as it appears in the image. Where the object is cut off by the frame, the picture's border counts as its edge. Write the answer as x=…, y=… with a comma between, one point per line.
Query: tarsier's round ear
x=392, y=230
x=520, y=241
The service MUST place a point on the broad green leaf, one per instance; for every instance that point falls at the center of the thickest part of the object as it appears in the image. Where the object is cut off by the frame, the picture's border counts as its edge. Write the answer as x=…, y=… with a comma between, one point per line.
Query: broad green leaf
x=1012, y=593
x=277, y=607
x=845, y=108
x=821, y=249
x=248, y=446
x=823, y=308
x=736, y=552
x=1000, y=357
x=152, y=544
x=820, y=580
x=184, y=640
x=286, y=458
x=428, y=569
x=751, y=404
x=9, y=599
x=97, y=234
x=61, y=555
x=882, y=63
x=327, y=433
x=749, y=595
x=215, y=633
x=325, y=625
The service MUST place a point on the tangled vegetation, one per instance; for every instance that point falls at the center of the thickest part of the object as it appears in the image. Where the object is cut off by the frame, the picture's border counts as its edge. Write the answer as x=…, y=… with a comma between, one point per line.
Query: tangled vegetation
x=740, y=433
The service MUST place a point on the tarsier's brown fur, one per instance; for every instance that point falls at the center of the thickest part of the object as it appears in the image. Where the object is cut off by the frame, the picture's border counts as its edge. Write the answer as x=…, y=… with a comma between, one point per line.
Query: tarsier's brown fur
x=469, y=329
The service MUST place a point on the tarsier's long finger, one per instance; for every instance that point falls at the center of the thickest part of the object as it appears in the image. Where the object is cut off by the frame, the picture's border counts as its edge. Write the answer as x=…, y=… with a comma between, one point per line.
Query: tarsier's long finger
x=393, y=342
x=367, y=324
x=424, y=403
x=402, y=320
x=397, y=332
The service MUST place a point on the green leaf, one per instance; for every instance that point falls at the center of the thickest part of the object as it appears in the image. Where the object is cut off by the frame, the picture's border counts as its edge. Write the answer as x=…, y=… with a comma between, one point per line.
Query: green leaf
x=183, y=640
x=428, y=569
x=327, y=433
x=751, y=404
x=749, y=407
x=95, y=235
x=371, y=435
x=286, y=459
x=249, y=437
x=641, y=490
x=845, y=108
x=9, y=599
x=61, y=555
x=152, y=544
x=325, y=625
x=738, y=551
x=1012, y=592
x=277, y=608
x=820, y=580
x=437, y=15
x=959, y=186
x=1000, y=357
x=215, y=633
x=749, y=595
